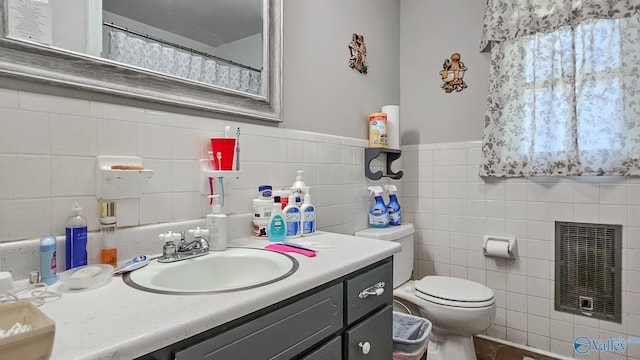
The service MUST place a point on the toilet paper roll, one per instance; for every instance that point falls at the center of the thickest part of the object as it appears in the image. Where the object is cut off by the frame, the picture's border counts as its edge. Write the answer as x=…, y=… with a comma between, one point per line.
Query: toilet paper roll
x=393, y=125
x=497, y=248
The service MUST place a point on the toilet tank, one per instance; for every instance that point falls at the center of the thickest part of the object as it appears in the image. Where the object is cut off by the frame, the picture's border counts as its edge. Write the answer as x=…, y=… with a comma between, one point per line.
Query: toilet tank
x=402, y=261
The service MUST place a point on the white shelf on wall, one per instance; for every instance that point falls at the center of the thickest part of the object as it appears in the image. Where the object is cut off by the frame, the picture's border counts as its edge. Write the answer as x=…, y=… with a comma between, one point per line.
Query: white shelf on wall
x=207, y=172
x=113, y=184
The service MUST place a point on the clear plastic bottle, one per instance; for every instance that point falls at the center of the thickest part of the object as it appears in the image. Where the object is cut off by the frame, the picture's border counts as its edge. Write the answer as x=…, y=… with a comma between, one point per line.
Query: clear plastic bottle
x=292, y=217
x=277, y=228
x=109, y=251
x=308, y=212
x=217, y=226
x=76, y=238
x=48, y=262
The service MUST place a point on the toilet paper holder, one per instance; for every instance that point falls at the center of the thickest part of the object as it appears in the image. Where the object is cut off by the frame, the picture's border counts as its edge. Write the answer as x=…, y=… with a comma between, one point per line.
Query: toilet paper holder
x=511, y=249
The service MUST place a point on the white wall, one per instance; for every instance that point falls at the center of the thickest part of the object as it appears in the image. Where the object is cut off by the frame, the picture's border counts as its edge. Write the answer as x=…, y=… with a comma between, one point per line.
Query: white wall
x=430, y=32
x=51, y=144
x=452, y=207
x=50, y=135
x=247, y=51
x=71, y=33
x=321, y=92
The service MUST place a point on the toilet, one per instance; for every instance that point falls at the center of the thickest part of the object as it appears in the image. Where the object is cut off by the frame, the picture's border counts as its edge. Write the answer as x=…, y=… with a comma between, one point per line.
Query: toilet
x=457, y=308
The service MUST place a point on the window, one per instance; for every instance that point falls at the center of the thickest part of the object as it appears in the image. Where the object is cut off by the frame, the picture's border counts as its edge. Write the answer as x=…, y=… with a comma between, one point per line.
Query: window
x=565, y=101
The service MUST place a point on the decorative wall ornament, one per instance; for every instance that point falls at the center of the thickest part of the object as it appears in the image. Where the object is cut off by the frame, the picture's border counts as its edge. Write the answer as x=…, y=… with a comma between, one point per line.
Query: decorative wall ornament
x=358, y=50
x=452, y=73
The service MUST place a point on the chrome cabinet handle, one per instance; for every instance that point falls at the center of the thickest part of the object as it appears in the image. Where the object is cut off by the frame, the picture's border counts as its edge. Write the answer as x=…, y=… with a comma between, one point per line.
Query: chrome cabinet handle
x=365, y=347
x=375, y=290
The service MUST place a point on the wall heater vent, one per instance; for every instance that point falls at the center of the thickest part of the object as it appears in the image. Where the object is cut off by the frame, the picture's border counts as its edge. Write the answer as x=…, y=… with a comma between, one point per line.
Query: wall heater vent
x=588, y=260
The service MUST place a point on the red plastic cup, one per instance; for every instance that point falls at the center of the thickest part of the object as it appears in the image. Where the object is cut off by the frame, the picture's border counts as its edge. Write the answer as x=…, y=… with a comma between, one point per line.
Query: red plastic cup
x=223, y=151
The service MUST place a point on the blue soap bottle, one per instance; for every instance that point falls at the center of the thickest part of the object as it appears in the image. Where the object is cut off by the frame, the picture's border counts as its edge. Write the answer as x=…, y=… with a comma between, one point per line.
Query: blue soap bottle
x=48, y=262
x=378, y=215
x=292, y=217
x=76, y=238
x=393, y=207
x=308, y=212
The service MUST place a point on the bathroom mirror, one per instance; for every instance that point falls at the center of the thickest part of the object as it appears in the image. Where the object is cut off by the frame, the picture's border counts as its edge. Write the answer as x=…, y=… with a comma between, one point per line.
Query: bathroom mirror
x=110, y=47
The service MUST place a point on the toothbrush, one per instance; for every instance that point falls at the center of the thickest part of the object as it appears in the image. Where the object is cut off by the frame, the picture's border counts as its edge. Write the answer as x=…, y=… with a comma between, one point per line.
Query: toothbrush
x=210, y=153
x=238, y=148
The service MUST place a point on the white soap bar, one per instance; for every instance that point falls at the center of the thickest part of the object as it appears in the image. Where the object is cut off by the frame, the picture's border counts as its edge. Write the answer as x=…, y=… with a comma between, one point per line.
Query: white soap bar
x=87, y=272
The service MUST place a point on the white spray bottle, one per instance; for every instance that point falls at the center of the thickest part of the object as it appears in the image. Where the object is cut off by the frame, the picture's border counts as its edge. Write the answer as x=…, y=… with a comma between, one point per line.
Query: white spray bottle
x=217, y=225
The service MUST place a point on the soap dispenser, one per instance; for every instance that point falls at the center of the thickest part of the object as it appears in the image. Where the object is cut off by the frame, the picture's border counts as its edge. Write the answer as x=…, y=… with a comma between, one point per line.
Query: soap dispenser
x=217, y=225
x=292, y=217
x=308, y=213
x=76, y=238
x=299, y=188
x=277, y=228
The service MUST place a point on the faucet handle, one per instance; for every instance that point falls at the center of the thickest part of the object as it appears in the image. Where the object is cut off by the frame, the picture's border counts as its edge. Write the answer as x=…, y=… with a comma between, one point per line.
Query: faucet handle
x=199, y=232
x=169, y=247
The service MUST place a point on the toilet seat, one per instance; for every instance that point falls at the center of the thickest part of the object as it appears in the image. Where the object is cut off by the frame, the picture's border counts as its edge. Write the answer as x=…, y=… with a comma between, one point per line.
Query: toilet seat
x=455, y=292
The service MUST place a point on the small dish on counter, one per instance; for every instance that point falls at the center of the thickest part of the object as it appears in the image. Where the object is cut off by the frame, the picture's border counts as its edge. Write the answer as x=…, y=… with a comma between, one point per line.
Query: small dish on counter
x=86, y=277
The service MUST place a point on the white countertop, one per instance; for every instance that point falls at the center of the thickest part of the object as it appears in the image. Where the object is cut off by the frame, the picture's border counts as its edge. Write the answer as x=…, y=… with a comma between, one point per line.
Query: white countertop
x=116, y=321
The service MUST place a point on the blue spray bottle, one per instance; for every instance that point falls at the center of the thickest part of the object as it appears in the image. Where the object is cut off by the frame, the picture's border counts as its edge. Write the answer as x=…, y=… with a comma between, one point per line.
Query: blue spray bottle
x=378, y=216
x=393, y=208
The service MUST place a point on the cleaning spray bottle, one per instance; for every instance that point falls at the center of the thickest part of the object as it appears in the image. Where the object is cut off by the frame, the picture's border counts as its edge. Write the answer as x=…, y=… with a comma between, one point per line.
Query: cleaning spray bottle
x=393, y=207
x=378, y=215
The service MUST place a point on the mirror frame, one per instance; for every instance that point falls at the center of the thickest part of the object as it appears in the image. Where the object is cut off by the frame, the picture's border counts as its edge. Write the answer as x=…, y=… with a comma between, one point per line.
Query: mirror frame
x=30, y=61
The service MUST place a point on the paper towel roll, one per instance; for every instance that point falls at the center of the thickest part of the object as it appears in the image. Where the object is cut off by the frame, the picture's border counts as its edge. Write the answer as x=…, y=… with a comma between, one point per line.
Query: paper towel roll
x=497, y=248
x=393, y=125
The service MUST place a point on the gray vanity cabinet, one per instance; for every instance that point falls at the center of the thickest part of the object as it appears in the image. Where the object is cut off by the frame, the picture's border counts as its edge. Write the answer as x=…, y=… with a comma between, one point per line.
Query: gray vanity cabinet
x=369, y=298
x=332, y=350
x=371, y=339
x=348, y=318
x=279, y=335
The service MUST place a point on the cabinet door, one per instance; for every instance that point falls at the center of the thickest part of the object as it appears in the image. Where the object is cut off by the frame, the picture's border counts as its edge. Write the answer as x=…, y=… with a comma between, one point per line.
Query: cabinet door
x=371, y=339
x=280, y=335
x=359, y=303
x=332, y=350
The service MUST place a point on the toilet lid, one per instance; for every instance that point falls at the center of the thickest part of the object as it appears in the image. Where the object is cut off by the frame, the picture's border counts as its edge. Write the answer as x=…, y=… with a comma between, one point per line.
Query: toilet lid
x=450, y=290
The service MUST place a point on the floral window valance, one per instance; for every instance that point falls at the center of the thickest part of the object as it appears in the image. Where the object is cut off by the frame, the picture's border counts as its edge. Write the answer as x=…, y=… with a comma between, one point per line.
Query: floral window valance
x=511, y=19
x=564, y=88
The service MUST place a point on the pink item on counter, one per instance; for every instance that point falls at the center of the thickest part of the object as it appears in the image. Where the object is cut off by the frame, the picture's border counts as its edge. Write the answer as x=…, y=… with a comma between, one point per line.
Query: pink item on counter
x=286, y=248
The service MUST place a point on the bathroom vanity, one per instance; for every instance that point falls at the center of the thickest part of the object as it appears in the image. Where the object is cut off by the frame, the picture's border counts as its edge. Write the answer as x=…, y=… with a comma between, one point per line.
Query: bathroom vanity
x=334, y=306
x=348, y=318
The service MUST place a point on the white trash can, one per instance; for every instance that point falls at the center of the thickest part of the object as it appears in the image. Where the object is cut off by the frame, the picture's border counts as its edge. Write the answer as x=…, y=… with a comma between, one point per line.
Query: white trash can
x=410, y=336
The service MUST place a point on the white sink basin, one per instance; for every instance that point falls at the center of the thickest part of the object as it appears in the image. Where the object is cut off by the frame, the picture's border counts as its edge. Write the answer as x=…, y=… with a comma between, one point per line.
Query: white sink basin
x=219, y=271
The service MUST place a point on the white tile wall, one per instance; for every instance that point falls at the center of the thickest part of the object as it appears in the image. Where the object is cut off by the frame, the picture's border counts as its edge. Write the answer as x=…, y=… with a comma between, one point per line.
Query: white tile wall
x=455, y=208
x=49, y=144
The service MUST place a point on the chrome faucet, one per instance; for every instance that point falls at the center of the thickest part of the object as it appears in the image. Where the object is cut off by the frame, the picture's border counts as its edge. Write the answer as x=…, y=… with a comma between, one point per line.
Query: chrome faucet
x=195, y=245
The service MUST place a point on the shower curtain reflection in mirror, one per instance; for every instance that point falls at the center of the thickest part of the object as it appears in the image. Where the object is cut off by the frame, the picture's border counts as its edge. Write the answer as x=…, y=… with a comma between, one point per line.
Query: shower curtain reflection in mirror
x=145, y=53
